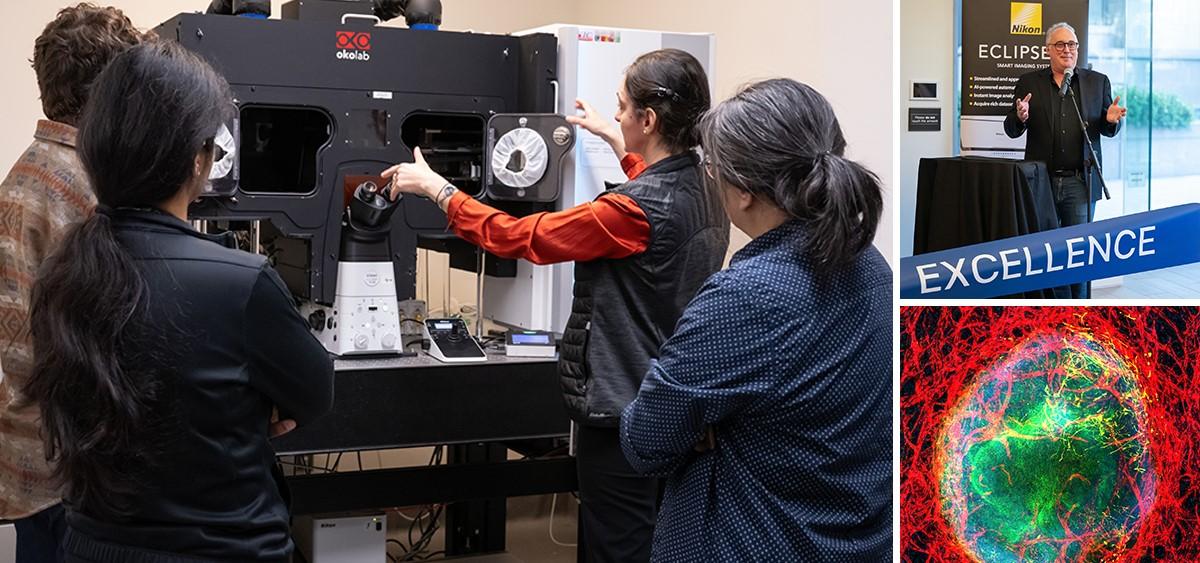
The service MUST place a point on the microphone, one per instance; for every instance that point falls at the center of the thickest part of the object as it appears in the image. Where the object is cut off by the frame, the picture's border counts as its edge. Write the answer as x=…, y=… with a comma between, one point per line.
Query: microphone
x=1066, y=83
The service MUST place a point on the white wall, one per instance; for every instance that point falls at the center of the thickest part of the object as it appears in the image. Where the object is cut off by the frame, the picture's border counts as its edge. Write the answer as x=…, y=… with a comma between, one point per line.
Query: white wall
x=926, y=53
x=843, y=49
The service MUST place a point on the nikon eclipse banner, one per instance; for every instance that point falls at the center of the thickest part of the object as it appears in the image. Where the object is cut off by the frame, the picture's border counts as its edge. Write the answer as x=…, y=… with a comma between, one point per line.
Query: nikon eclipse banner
x=1001, y=41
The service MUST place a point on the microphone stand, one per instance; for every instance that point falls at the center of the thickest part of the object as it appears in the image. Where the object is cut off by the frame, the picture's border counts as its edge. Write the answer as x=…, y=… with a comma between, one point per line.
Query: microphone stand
x=1088, y=138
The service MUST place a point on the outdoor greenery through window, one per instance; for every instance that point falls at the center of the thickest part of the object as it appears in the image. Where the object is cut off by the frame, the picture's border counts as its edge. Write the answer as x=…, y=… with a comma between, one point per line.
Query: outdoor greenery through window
x=1151, y=52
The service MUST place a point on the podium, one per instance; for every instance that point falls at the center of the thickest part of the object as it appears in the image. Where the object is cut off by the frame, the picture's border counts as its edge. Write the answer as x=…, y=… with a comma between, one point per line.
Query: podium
x=969, y=200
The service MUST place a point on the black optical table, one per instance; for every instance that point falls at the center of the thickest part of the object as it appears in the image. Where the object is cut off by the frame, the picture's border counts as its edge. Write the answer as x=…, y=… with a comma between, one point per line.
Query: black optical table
x=478, y=410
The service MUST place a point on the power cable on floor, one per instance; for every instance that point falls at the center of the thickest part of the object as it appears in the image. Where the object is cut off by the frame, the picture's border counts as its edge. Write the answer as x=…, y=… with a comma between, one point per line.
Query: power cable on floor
x=553, y=505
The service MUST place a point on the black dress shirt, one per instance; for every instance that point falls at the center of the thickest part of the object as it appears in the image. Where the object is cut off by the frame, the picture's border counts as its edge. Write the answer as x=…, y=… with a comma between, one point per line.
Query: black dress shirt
x=1068, y=138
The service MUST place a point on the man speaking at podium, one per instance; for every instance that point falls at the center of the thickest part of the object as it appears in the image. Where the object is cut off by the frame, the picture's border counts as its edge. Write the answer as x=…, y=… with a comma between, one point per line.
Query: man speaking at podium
x=1050, y=104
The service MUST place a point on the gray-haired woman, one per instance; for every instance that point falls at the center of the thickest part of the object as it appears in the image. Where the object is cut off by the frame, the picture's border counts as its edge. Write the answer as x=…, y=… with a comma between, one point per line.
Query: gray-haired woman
x=770, y=407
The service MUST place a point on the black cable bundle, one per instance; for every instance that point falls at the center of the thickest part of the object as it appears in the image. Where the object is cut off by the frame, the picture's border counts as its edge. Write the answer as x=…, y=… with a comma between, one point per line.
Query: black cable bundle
x=240, y=7
x=389, y=9
x=415, y=12
x=423, y=527
x=221, y=7
x=423, y=12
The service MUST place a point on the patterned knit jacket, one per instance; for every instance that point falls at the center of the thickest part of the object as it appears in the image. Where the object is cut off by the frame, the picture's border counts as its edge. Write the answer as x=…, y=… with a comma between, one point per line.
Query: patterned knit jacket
x=44, y=194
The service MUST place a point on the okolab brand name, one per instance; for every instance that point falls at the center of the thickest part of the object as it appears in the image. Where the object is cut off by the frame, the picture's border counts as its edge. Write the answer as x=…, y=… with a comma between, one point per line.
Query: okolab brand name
x=354, y=46
x=353, y=55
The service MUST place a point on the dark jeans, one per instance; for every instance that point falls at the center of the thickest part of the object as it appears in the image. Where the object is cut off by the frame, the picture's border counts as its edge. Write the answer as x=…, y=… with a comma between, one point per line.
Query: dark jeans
x=618, y=506
x=1074, y=203
x=39, y=537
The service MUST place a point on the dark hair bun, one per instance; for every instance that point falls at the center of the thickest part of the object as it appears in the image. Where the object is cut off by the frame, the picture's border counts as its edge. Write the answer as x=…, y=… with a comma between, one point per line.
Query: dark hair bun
x=672, y=83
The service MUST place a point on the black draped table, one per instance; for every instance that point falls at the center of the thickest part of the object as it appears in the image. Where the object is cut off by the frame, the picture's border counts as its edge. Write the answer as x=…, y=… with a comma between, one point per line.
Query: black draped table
x=968, y=200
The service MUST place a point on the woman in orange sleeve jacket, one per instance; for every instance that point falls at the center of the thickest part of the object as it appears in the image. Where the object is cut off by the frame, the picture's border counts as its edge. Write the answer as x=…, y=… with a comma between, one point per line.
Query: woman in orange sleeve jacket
x=642, y=252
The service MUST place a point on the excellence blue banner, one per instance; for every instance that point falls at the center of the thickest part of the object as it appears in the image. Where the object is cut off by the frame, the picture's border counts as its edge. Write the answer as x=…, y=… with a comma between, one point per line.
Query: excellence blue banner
x=1113, y=247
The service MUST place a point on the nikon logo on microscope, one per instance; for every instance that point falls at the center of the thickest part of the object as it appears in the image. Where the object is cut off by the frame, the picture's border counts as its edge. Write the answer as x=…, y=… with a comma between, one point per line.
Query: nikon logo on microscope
x=1026, y=19
x=353, y=45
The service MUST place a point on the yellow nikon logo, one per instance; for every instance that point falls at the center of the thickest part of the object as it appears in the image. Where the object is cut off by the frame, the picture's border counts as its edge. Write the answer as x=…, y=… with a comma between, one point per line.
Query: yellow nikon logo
x=1026, y=18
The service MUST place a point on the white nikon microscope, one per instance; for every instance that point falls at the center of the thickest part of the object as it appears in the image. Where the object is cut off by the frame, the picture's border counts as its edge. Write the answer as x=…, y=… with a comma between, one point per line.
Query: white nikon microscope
x=364, y=318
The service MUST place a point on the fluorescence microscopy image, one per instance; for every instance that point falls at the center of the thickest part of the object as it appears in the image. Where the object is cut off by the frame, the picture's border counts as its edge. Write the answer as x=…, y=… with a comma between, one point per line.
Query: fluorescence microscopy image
x=1050, y=434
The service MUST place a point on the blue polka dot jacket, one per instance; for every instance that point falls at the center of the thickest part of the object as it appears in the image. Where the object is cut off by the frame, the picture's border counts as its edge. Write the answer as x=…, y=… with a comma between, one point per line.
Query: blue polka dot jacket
x=787, y=374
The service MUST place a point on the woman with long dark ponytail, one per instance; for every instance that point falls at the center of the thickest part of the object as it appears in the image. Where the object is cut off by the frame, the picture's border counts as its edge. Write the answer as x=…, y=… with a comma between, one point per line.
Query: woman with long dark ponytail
x=771, y=403
x=160, y=353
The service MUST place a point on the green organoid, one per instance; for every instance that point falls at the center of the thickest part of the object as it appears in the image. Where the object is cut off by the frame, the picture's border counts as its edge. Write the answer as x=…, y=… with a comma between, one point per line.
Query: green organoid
x=1046, y=457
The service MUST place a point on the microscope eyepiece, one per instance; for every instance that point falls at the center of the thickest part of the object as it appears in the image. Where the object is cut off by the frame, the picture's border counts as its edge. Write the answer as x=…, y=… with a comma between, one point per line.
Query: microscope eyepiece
x=370, y=208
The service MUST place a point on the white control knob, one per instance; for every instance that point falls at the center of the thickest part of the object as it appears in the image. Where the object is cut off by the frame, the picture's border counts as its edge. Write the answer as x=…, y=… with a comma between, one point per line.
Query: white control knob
x=389, y=340
x=361, y=342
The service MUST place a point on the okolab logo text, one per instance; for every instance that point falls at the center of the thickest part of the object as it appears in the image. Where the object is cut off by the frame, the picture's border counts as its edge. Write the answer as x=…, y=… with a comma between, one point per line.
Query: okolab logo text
x=354, y=45
x=1026, y=19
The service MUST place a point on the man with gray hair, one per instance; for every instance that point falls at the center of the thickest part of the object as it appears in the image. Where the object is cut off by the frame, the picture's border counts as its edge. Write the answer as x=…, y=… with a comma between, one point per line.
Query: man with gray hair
x=1050, y=104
